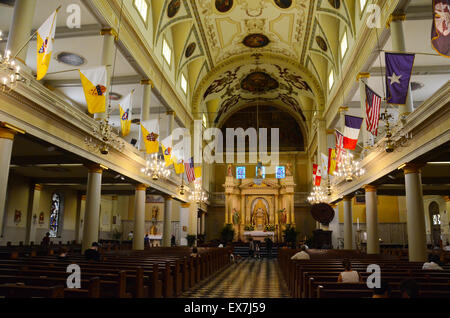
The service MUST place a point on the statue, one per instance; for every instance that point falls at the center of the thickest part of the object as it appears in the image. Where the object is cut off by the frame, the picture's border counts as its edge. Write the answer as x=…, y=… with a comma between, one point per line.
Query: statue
x=230, y=170
x=236, y=217
x=260, y=217
x=283, y=216
x=155, y=211
x=289, y=169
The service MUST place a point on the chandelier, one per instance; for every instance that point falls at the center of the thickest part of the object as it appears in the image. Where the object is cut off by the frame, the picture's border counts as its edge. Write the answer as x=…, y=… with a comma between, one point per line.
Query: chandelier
x=349, y=168
x=105, y=138
x=12, y=76
x=198, y=195
x=317, y=196
x=156, y=168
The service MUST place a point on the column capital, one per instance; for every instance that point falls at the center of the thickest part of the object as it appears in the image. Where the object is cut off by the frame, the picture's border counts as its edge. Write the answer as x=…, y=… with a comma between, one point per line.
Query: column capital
x=94, y=168
x=330, y=131
x=109, y=31
x=37, y=187
x=409, y=168
x=447, y=198
x=141, y=187
x=170, y=112
x=343, y=109
x=6, y=133
x=370, y=188
x=83, y=197
x=348, y=198
x=147, y=82
x=114, y=198
x=185, y=205
x=334, y=205
x=395, y=17
x=362, y=75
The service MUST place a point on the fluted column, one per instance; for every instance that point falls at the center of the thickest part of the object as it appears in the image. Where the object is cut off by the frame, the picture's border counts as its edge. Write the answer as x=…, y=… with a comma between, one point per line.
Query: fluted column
x=348, y=223
x=92, y=214
x=361, y=79
x=373, y=242
x=167, y=228
x=145, y=109
x=399, y=45
x=417, y=241
x=6, y=144
x=21, y=26
x=139, y=218
x=109, y=36
x=33, y=214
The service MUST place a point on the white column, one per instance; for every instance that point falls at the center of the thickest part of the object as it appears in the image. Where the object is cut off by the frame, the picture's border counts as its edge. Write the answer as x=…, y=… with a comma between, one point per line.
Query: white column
x=361, y=79
x=92, y=214
x=348, y=223
x=334, y=227
x=171, y=121
x=6, y=144
x=21, y=26
x=184, y=223
x=109, y=35
x=145, y=109
x=34, y=214
x=167, y=228
x=417, y=241
x=115, y=212
x=399, y=45
x=373, y=242
x=203, y=220
x=139, y=218
x=193, y=213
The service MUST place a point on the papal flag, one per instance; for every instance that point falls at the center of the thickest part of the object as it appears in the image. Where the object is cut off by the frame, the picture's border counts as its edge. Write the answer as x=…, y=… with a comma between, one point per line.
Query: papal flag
x=331, y=161
x=440, y=33
x=45, y=38
x=178, y=161
x=125, y=108
x=198, y=172
x=150, y=134
x=94, y=87
x=167, y=149
x=324, y=165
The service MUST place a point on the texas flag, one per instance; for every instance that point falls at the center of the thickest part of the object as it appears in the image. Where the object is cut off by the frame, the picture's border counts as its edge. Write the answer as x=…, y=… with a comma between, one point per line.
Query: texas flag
x=317, y=175
x=351, y=131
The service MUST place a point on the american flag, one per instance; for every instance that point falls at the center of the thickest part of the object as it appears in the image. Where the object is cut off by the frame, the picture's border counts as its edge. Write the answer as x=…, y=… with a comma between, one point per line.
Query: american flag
x=373, y=108
x=339, y=145
x=190, y=170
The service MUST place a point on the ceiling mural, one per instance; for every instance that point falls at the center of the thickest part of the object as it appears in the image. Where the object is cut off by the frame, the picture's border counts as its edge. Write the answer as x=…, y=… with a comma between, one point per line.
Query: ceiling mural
x=173, y=8
x=256, y=40
x=258, y=81
x=192, y=50
x=174, y=11
x=224, y=5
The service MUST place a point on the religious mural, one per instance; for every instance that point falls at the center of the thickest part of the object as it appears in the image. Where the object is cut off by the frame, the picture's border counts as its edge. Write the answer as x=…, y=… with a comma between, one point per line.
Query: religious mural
x=257, y=82
x=284, y=4
x=256, y=40
x=224, y=5
x=260, y=214
x=190, y=49
x=173, y=8
x=321, y=43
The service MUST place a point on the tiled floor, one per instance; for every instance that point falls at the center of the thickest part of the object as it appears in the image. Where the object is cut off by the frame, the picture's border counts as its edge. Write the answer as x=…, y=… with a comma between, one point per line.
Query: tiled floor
x=250, y=278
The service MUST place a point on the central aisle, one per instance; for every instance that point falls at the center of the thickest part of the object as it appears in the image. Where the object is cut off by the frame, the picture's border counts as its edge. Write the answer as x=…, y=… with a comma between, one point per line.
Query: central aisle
x=250, y=278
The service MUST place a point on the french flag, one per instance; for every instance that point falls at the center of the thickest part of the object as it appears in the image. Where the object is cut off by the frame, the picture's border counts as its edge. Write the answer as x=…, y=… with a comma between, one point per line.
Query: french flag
x=351, y=131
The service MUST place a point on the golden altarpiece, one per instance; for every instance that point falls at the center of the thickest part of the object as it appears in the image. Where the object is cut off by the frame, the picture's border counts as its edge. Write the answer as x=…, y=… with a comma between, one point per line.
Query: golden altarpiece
x=259, y=211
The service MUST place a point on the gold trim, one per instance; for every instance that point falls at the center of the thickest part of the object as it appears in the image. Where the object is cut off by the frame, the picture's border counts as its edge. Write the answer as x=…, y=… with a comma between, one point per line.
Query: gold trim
x=6, y=133
x=94, y=168
x=395, y=17
x=330, y=131
x=185, y=205
x=147, y=82
x=110, y=32
x=362, y=75
x=447, y=198
x=370, y=188
x=343, y=109
x=37, y=187
x=83, y=198
x=12, y=127
x=170, y=112
x=114, y=198
x=141, y=187
x=409, y=168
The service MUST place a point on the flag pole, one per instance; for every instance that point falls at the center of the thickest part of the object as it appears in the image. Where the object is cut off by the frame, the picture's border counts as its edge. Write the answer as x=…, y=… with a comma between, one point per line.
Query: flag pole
x=67, y=71
x=30, y=38
x=416, y=53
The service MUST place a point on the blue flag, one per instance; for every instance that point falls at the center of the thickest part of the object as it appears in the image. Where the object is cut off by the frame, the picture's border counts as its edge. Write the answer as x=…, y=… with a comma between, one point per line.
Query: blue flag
x=440, y=34
x=398, y=76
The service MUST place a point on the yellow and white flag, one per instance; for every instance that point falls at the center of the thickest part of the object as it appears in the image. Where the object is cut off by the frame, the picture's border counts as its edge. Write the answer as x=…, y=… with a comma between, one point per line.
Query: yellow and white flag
x=150, y=134
x=178, y=160
x=198, y=172
x=45, y=39
x=167, y=149
x=125, y=108
x=94, y=87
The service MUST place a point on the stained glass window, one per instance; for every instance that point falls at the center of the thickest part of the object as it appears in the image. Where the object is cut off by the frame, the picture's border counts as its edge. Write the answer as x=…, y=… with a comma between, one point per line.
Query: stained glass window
x=55, y=214
x=240, y=172
x=281, y=172
x=263, y=171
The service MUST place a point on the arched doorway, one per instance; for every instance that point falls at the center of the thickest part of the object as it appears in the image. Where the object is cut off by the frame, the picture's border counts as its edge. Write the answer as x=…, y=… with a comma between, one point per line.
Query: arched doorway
x=435, y=223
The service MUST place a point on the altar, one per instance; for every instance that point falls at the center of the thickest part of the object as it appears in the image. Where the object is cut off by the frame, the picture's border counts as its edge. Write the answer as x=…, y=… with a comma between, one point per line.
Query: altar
x=261, y=210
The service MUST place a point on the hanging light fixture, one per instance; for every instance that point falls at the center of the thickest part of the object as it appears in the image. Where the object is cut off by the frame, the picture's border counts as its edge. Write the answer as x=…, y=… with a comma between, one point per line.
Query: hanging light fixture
x=198, y=195
x=12, y=70
x=317, y=196
x=349, y=167
x=182, y=187
x=156, y=168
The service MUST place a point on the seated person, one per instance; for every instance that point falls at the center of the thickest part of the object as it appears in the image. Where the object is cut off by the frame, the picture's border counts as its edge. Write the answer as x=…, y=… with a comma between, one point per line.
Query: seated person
x=194, y=252
x=302, y=255
x=92, y=254
x=383, y=292
x=46, y=239
x=409, y=289
x=63, y=254
x=433, y=263
x=348, y=275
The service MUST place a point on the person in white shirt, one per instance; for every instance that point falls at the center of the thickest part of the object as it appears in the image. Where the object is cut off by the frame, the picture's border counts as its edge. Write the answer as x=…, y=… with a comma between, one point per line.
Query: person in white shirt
x=432, y=263
x=349, y=276
x=302, y=255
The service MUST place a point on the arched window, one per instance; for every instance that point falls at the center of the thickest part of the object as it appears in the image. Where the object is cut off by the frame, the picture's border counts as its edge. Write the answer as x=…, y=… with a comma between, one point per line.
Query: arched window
x=55, y=215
